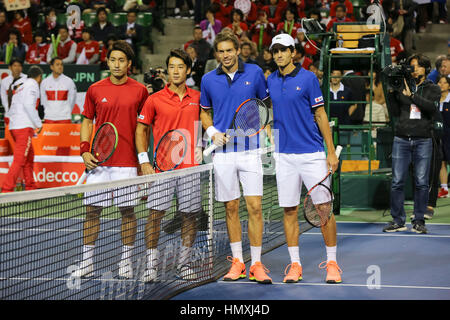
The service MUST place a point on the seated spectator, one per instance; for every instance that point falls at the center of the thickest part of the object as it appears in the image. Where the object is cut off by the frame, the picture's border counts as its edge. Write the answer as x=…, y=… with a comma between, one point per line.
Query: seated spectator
x=202, y=46
x=37, y=52
x=315, y=68
x=262, y=31
x=397, y=50
x=296, y=6
x=444, y=70
x=88, y=50
x=265, y=60
x=301, y=58
x=237, y=24
x=288, y=23
x=212, y=64
x=348, y=6
x=50, y=26
x=339, y=92
x=94, y=5
x=23, y=24
x=4, y=27
x=66, y=47
x=246, y=53
x=102, y=27
x=210, y=26
x=274, y=11
x=252, y=15
x=110, y=39
x=133, y=33
x=434, y=74
x=308, y=45
x=197, y=70
x=341, y=16
x=245, y=37
x=223, y=13
x=315, y=14
x=18, y=50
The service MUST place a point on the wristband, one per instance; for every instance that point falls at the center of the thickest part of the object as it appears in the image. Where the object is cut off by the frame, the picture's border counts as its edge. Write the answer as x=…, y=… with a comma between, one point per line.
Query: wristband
x=211, y=131
x=85, y=146
x=143, y=157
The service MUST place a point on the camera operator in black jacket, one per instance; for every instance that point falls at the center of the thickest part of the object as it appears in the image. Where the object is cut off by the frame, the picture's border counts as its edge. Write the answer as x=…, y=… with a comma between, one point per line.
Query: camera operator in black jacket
x=414, y=107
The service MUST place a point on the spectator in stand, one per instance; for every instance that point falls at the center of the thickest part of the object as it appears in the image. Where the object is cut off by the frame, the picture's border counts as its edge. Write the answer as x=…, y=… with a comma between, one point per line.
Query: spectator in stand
x=237, y=25
x=133, y=33
x=392, y=11
x=341, y=16
x=58, y=93
x=274, y=11
x=210, y=26
x=444, y=70
x=50, y=26
x=309, y=46
x=37, y=52
x=197, y=69
x=23, y=24
x=19, y=49
x=224, y=8
x=315, y=68
x=265, y=60
x=23, y=121
x=297, y=6
x=444, y=84
x=4, y=27
x=288, y=24
x=202, y=46
x=339, y=92
x=76, y=27
x=348, y=5
x=246, y=53
x=434, y=74
x=397, y=50
x=358, y=88
x=66, y=49
x=301, y=58
x=315, y=14
x=111, y=38
x=95, y=5
x=252, y=15
x=179, y=6
x=212, y=64
x=102, y=27
x=90, y=47
x=262, y=31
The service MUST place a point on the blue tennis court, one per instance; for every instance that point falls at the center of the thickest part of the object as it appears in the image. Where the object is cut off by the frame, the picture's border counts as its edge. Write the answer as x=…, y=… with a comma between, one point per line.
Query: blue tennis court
x=408, y=266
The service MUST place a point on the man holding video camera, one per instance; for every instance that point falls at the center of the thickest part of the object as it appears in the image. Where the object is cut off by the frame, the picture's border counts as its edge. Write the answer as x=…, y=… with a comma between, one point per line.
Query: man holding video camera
x=413, y=100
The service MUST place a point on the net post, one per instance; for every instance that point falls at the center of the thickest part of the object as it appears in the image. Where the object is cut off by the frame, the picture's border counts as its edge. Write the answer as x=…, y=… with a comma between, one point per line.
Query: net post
x=210, y=221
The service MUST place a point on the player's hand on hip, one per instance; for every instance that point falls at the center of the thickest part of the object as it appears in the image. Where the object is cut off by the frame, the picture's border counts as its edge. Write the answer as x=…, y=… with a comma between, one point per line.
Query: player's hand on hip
x=146, y=168
x=332, y=162
x=220, y=139
x=89, y=160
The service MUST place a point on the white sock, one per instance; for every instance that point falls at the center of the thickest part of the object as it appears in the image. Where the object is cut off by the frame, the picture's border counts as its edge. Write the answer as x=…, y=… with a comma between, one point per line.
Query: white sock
x=256, y=254
x=294, y=253
x=126, y=252
x=444, y=186
x=88, y=252
x=331, y=253
x=184, y=255
x=236, y=249
x=152, y=258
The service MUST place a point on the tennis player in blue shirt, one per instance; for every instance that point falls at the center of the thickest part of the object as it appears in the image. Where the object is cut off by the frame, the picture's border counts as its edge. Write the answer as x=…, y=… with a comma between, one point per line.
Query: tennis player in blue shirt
x=301, y=123
x=223, y=90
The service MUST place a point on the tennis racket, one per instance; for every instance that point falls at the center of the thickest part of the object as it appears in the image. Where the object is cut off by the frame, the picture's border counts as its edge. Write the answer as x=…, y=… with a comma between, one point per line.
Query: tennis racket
x=103, y=145
x=251, y=118
x=318, y=203
x=170, y=150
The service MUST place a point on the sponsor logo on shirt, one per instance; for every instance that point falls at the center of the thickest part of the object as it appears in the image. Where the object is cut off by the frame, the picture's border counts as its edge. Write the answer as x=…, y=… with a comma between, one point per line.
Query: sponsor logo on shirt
x=74, y=133
x=193, y=104
x=52, y=148
x=298, y=89
x=51, y=133
x=247, y=83
x=319, y=99
x=141, y=117
x=104, y=100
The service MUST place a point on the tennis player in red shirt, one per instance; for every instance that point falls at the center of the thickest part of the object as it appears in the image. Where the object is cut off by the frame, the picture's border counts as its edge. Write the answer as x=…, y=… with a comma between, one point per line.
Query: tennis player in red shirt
x=174, y=107
x=119, y=100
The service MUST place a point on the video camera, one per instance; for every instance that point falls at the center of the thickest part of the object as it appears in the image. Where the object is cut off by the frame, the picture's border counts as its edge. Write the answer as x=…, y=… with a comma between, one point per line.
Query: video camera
x=395, y=76
x=154, y=78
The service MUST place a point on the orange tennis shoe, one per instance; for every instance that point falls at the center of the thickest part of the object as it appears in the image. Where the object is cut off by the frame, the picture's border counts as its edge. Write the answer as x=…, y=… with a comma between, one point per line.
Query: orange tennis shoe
x=295, y=273
x=237, y=270
x=258, y=273
x=333, y=271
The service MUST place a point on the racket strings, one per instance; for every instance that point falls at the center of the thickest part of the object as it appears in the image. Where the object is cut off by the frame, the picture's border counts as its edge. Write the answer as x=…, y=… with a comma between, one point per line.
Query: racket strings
x=318, y=211
x=250, y=118
x=171, y=151
x=104, y=143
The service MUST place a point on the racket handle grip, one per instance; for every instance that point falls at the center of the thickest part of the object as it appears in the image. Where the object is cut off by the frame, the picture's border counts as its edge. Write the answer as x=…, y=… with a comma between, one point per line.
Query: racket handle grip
x=210, y=149
x=82, y=178
x=338, y=151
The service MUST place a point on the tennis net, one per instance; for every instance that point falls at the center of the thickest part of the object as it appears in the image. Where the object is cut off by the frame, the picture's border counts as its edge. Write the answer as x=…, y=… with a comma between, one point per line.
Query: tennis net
x=42, y=232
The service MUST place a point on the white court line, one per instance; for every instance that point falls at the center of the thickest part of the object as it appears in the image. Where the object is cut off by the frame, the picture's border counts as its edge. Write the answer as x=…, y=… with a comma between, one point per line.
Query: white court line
x=340, y=285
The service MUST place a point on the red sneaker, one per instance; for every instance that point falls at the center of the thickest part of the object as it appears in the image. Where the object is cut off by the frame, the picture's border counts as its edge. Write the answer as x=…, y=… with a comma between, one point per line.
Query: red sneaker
x=443, y=193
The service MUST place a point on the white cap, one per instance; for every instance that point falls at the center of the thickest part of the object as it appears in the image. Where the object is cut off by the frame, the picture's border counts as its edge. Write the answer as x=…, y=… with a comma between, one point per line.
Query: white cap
x=284, y=39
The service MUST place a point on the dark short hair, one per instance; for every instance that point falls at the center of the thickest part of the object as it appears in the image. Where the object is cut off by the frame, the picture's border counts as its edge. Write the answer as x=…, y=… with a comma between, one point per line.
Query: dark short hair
x=63, y=27
x=54, y=60
x=180, y=54
x=442, y=76
x=122, y=45
x=422, y=60
x=225, y=35
x=239, y=12
x=15, y=60
x=34, y=72
x=246, y=43
x=101, y=9
x=342, y=6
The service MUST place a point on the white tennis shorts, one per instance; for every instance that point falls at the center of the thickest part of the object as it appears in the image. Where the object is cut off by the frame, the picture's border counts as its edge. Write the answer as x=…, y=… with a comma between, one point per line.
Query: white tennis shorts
x=121, y=197
x=294, y=169
x=188, y=191
x=230, y=168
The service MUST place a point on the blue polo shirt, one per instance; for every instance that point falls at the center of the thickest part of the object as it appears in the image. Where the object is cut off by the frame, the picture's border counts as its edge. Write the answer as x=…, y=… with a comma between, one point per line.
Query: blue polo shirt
x=294, y=98
x=224, y=96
